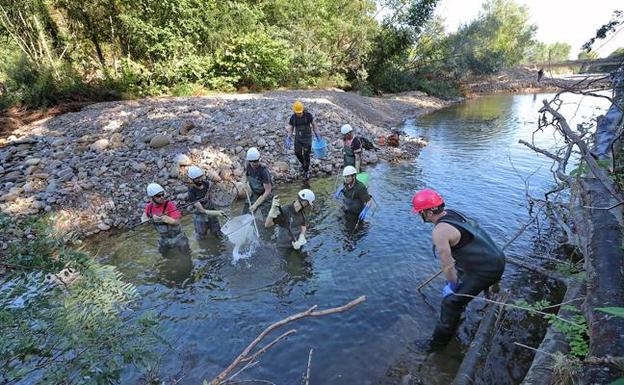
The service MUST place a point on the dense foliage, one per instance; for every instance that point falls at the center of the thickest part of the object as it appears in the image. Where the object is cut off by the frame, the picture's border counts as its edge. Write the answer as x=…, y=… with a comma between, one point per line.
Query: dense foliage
x=58, y=49
x=64, y=318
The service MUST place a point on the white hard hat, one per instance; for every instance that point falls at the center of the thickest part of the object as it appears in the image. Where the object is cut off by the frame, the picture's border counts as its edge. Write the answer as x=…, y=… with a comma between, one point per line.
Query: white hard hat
x=349, y=170
x=307, y=195
x=252, y=154
x=153, y=189
x=194, y=172
x=345, y=129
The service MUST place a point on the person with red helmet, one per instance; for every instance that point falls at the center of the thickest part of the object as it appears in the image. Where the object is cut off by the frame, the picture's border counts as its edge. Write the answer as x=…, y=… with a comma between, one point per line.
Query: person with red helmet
x=470, y=259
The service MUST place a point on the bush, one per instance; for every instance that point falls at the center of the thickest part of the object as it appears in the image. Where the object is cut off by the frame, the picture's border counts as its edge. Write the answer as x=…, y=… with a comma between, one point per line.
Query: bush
x=64, y=318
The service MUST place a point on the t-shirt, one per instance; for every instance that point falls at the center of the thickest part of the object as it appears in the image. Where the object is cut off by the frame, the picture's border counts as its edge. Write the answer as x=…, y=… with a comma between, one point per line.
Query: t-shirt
x=356, y=144
x=357, y=192
x=256, y=175
x=168, y=208
x=304, y=119
x=289, y=218
x=196, y=194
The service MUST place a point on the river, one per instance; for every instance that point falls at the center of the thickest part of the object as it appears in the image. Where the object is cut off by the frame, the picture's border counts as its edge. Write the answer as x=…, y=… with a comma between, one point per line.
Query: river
x=210, y=308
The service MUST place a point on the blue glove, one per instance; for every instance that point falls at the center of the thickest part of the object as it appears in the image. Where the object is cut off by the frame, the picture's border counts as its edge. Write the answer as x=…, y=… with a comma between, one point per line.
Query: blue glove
x=338, y=192
x=288, y=142
x=449, y=289
x=363, y=213
x=318, y=137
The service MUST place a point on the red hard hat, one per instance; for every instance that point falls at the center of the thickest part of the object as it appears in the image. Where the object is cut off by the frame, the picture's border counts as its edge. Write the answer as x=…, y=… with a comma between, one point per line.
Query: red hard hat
x=426, y=199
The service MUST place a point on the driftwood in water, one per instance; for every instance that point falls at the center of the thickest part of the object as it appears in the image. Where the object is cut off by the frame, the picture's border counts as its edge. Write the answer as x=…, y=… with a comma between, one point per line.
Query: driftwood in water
x=480, y=345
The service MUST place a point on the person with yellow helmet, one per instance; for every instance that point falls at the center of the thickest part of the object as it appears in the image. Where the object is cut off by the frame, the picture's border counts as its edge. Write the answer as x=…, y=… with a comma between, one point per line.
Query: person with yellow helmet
x=302, y=123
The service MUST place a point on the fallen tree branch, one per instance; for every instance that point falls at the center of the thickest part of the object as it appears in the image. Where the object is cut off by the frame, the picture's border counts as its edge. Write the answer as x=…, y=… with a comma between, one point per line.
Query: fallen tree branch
x=244, y=355
x=537, y=269
x=479, y=345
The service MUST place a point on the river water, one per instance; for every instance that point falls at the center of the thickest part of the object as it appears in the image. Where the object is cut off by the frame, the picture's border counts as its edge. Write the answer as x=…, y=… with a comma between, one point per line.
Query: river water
x=210, y=308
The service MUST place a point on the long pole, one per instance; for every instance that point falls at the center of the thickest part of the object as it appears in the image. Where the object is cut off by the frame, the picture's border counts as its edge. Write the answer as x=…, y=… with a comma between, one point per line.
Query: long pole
x=253, y=214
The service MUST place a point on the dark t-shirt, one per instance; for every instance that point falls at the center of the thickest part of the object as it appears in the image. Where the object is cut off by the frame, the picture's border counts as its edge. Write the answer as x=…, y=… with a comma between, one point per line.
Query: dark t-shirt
x=358, y=192
x=195, y=194
x=289, y=219
x=466, y=237
x=356, y=144
x=302, y=128
x=258, y=177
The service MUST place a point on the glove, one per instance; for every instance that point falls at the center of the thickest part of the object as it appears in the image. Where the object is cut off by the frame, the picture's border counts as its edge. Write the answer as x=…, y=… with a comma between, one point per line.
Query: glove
x=275, y=208
x=288, y=142
x=318, y=137
x=449, y=289
x=253, y=208
x=221, y=213
x=363, y=213
x=338, y=192
x=157, y=219
x=299, y=242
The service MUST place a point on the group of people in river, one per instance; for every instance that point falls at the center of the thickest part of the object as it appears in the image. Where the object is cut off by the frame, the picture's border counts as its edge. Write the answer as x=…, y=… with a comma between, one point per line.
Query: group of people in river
x=470, y=259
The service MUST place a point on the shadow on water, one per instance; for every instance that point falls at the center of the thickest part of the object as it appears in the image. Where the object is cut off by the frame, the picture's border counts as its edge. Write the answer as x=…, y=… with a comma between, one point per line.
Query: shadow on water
x=211, y=308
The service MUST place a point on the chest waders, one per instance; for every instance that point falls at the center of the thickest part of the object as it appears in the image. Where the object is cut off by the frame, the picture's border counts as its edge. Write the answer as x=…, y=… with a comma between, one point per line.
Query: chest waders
x=171, y=236
x=480, y=264
x=348, y=156
x=202, y=222
x=303, y=129
x=257, y=189
x=285, y=233
x=351, y=204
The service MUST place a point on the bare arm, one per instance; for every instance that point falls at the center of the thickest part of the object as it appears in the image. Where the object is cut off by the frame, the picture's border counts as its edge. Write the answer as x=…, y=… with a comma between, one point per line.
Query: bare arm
x=289, y=128
x=268, y=223
x=199, y=207
x=168, y=220
x=358, y=160
x=267, y=191
x=443, y=236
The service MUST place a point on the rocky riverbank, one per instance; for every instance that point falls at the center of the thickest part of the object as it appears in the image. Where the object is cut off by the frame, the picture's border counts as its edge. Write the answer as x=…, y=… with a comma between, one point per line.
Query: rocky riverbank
x=91, y=167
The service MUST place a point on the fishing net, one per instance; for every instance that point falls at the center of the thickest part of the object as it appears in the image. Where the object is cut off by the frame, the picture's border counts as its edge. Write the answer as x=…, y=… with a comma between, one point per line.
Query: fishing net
x=241, y=233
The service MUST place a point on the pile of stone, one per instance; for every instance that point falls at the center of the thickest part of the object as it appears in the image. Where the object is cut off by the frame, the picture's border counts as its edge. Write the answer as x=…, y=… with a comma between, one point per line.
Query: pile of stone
x=91, y=167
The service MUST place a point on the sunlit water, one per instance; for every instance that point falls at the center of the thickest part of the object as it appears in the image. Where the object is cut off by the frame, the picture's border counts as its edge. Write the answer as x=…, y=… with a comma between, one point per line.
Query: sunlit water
x=210, y=308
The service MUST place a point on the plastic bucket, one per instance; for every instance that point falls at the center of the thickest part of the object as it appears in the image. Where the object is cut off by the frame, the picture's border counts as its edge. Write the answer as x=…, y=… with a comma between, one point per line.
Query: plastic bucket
x=363, y=177
x=319, y=148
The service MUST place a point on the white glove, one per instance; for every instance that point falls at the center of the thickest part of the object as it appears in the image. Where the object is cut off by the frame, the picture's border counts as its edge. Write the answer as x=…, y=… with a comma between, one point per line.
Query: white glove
x=275, y=208
x=299, y=242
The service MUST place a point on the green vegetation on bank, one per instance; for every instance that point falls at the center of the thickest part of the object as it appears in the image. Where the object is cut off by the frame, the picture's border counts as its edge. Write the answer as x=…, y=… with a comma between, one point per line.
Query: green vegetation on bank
x=59, y=50
x=64, y=317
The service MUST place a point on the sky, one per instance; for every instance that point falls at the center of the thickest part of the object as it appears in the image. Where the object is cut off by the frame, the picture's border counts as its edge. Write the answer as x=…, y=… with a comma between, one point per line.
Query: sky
x=572, y=22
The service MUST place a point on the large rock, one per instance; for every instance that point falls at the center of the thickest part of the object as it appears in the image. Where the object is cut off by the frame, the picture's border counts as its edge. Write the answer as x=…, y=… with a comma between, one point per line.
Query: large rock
x=185, y=127
x=32, y=161
x=182, y=160
x=281, y=166
x=159, y=141
x=100, y=145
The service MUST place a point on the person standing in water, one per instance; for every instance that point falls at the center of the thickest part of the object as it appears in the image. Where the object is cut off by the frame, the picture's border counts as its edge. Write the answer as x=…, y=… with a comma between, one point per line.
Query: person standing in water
x=356, y=199
x=291, y=220
x=260, y=183
x=166, y=219
x=352, y=148
x=302, y=123
x=470, y=259
x=205, y=216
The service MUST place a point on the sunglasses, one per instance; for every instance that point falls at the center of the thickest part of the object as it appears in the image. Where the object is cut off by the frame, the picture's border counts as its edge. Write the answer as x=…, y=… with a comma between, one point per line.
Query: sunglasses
x=254, y=161
x=159, y=195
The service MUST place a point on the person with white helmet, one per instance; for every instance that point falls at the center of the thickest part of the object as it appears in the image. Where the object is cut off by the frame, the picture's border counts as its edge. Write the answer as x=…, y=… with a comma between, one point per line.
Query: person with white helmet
x=291, y=220
x=356, y=199
x=260, y=182
x=301, y=122
x=205, y=216
x=166, y=219
x=351, y=147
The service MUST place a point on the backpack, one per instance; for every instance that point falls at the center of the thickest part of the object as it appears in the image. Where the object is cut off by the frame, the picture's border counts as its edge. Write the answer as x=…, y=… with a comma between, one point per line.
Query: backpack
x=367, y=144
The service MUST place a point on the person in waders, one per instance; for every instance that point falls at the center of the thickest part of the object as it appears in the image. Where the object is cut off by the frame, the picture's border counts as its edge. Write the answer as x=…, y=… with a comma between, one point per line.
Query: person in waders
x=291, y=220
x=205, y=216
x=302, y=123
x=470, y=259
x=355, y=196
x=351, y=148
x=166, y=219
x=260, y=183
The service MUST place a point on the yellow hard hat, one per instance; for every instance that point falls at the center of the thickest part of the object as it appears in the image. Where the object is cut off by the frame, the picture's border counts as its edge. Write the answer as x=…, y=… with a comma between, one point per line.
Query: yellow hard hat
x=298, y=107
